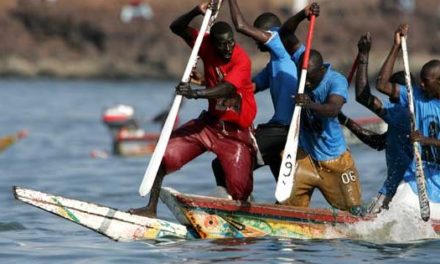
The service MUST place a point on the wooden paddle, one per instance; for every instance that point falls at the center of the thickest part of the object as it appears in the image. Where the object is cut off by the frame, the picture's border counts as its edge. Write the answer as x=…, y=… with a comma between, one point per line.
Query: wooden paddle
x=156, y=158
x=420, y=176
x=288, y=165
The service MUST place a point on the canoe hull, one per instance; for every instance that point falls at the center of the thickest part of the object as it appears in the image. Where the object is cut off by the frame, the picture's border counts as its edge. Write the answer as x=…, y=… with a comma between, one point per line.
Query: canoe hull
x=218, y=218
x=115, y=224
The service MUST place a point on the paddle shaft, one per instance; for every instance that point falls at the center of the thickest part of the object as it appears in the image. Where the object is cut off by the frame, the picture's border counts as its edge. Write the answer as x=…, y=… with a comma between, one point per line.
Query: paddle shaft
x=420, y=177
x=353, y=70
x=159, y=151
x=286, y=177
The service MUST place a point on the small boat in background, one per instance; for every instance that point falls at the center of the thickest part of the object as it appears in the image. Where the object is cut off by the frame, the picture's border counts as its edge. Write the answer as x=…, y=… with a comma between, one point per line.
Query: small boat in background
x=127, y=138
x=7, y=141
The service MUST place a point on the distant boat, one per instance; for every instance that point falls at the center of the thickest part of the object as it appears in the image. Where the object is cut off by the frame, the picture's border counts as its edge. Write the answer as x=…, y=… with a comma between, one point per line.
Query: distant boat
x=136, y=10
x=9, y=140
x=127, y=138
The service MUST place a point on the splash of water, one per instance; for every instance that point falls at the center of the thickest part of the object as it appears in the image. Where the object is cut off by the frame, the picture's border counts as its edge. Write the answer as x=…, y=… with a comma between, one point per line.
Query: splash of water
x=398, y=224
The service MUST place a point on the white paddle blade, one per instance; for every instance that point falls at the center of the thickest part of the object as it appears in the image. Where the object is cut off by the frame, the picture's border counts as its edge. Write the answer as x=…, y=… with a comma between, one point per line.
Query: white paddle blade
x=420, y=175
x=286, y=178
x=288, y=165
x=159, y=151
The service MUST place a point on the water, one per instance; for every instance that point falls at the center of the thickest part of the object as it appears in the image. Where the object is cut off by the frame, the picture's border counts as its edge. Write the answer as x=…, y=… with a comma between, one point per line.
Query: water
x=63, y=118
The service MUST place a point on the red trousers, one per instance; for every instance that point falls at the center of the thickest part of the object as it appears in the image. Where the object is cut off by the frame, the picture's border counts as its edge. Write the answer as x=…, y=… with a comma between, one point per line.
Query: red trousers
x=231, y=144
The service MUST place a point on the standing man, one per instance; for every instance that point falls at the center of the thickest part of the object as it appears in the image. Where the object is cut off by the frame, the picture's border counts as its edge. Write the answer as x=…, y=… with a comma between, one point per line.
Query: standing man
x=323, y=160
x=225, y=128
x=280, y=76
x=427, y=112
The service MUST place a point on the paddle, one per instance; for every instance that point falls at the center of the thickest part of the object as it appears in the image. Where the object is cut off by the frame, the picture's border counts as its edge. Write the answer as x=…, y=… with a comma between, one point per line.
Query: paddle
x=420, y=176
x=288, y=164
x=159, y=151
x=353, y=70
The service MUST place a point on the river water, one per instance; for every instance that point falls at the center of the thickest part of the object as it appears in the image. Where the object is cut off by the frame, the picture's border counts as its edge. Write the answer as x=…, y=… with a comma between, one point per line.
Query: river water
x=63, y=119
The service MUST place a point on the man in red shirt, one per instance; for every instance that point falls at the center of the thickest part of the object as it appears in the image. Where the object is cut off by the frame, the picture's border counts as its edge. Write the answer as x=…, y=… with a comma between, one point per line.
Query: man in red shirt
x=225, y=129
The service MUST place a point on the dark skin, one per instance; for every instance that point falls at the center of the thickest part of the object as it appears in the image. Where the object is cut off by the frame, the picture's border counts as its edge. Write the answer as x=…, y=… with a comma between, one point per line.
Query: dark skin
x=363, y=92
x=288, y=29
x=333, y=104
x=224, y=44
x=430, y=82
x=258, y=34
x=368, y=137
x=383, y=84
x=416, y=136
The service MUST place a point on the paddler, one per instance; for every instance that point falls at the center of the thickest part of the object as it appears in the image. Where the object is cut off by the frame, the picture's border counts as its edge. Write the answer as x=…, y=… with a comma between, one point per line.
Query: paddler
x=395, y=141
x=427, y=112
x=225, y=129
x=280, y=76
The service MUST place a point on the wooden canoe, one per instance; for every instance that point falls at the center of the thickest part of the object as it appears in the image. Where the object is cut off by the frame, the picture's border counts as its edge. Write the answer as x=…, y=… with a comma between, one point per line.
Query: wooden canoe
x=219, y=218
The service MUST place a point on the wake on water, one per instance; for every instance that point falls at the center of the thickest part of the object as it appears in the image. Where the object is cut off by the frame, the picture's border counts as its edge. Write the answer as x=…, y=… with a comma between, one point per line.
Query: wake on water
x=396, y=225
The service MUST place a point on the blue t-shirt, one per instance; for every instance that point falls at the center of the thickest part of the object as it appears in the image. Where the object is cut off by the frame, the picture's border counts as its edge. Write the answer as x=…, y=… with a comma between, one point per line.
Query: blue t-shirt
x=297, y=54
x=398, y=149
x=321, y=137
x=427, y=113
x=281, y=76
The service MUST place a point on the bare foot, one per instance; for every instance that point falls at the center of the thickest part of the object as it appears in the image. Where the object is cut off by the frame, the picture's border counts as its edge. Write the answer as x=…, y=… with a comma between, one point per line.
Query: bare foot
x=143, y=211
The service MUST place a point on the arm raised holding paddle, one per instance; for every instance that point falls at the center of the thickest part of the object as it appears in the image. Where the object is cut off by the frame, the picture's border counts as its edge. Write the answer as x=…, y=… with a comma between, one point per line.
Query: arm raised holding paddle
x=422, y=102
x=224, y=128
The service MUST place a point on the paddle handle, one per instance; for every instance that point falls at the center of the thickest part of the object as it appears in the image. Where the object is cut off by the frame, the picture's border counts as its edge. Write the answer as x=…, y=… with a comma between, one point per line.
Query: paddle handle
x=286, y=178
x=159, y=151
x=420, y=177
x=353, y=70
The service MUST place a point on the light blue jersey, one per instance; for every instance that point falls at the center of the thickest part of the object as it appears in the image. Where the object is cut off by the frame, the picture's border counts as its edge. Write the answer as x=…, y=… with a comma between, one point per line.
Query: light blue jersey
x=281, y=76
x=297, y=54
x=428, y=123
x=398, y=149
x=320, y=137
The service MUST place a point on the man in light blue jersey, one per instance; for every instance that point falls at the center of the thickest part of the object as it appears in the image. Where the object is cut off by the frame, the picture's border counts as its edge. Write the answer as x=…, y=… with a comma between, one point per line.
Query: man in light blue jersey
x=279, y=76
x=395, y=140
x=323, y=160
x=427, y=112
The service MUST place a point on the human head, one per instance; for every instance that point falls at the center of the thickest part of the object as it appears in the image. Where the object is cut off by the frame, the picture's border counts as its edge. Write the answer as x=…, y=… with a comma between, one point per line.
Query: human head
x=430, y=79
x=315, y=70
x=266, y=21
x=399, y=78
x=222, y=37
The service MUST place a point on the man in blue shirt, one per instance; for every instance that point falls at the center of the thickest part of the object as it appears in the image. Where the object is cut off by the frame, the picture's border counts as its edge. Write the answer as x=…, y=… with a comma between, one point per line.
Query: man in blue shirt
x=427, y=112
x=323, y=160
x=396, y=141
x=279, y=76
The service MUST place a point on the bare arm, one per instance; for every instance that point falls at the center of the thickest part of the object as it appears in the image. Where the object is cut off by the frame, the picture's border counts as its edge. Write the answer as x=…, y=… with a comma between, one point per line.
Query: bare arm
x=243, y=27
x=330, y=108
x=363, y=92
x=180, y=26
x=222, y=90
x=383, y=81
x=368, y=137
x=416, y=136
x=288, y=29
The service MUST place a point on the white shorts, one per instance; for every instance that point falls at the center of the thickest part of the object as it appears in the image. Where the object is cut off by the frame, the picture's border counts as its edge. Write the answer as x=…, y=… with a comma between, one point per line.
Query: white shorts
x=405, y=195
